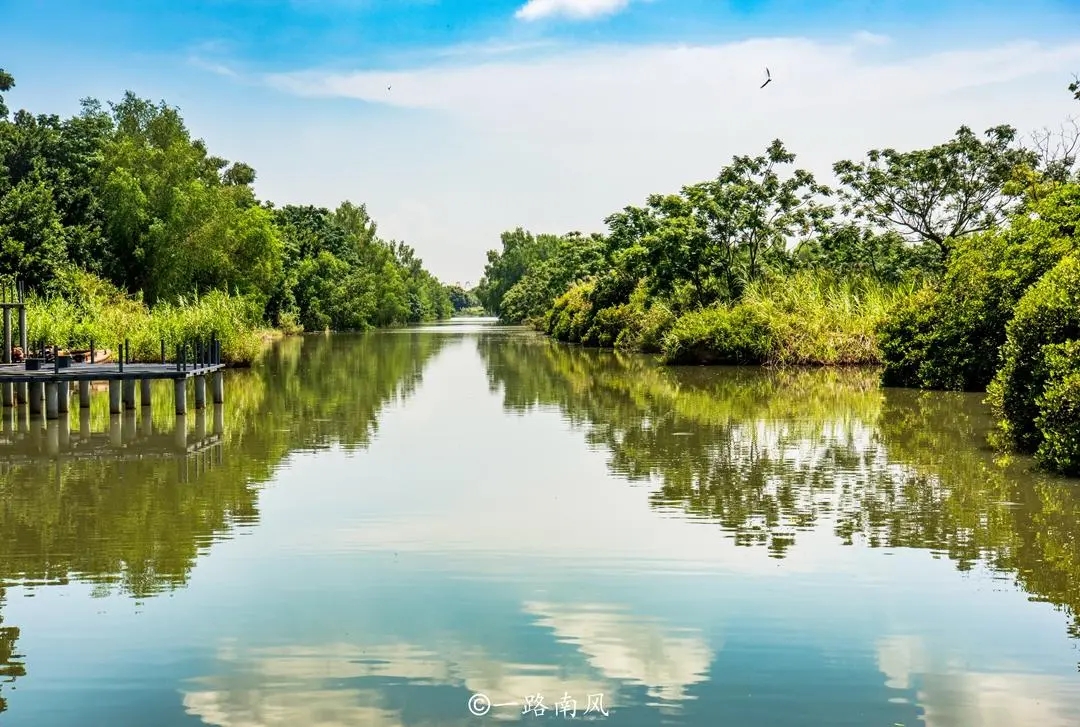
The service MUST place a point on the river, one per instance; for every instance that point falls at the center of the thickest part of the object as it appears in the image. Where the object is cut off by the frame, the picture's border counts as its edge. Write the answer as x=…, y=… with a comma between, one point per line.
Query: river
x=407, y=527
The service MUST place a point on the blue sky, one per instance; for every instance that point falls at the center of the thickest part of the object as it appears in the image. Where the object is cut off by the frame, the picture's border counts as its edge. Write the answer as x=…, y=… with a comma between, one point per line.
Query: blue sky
x=496, y=117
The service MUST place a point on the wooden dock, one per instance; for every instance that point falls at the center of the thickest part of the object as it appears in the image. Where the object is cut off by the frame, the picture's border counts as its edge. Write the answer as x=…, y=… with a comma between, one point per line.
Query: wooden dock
x=43, y=378
x=52, y=385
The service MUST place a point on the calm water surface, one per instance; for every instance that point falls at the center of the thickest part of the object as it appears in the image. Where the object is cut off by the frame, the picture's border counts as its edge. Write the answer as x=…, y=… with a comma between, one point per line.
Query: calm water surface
x=374, y=528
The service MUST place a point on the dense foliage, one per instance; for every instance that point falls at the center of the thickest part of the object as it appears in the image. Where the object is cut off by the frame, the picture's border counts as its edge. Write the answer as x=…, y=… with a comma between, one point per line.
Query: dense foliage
x=920, y=260
x=125, y=193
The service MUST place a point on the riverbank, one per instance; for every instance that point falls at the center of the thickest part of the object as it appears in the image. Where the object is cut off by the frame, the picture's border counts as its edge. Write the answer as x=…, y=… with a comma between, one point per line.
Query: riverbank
x=805, y=319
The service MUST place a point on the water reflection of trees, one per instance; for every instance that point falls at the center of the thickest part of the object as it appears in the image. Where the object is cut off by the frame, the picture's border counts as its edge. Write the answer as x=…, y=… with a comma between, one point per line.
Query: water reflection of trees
x=767, y=454
x=137, y=525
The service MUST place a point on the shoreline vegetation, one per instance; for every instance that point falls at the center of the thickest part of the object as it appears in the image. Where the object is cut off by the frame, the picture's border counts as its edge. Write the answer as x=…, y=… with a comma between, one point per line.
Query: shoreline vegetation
x=121, y=225
x=955, y=267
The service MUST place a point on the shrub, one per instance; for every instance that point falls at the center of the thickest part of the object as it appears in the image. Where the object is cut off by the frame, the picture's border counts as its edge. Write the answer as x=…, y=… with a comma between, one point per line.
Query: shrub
x=1058, y=421
x=954, y=343
x=718, y=335
x=1049, y=313
x=905, y=336
x=569, y=317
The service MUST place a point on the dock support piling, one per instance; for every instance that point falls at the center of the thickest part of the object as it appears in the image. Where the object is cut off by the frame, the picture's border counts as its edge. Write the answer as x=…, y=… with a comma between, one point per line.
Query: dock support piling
x=129, y=426
x=219, y=387
x=114, y=396
x=145, y=392
x=84, y=423
x=116, y=434
x=8, y=392
x=180, y=386
x=52, y=437
x=200, y=425
x=200, y=392
x=35, y=398
x=219, y=419
x=63, y=425
x=63, y=397
x=21, y=395
x=84, y=394
x=51, y=396
x=129, y=394
x=180, y=433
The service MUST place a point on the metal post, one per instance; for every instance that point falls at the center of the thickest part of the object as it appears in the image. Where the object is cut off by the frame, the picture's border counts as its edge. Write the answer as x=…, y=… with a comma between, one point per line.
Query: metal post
x=7, y=331
x=198, y=353
x=129, y=394
x=121, y=357
x=180, y=386
x=91, y=350
x=162, y=351
x=84, y=394
x=51, y=395
x=200, y=392
x=114, y=396
x=35, y=397
x=22, y=322
x=63, y=397
x=127, y=351
x=178, y=357
x=56, y=359
x=219, y=387
x=144, y=393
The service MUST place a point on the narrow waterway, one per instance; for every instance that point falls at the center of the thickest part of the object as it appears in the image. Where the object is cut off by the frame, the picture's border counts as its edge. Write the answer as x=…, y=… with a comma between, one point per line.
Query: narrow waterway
x=394, y=523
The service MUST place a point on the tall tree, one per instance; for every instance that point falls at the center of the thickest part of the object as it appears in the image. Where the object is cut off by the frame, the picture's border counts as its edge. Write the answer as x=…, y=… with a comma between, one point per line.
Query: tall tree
x=936, y=194
x=7, y=82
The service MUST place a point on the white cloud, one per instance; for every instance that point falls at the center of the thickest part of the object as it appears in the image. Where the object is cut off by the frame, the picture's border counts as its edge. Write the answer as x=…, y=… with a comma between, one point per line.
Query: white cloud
x=577, y=9
x=555, y=141
x=627, y=648
x=865, y=37
x=952, y=695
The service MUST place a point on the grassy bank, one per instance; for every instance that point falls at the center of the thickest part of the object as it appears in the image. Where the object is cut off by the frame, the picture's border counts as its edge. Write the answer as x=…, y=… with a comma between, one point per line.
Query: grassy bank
x=90, y=309
x=808, y=318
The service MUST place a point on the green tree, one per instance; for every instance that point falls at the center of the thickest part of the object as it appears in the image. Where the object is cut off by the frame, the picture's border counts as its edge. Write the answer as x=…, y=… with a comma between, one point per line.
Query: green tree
x=938, y=194
x=31, y=236
x=7, y=82
x=718, y=235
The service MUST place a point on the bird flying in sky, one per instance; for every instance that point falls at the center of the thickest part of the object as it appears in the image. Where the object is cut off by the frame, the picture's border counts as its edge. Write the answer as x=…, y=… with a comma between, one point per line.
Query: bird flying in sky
x=768, y=79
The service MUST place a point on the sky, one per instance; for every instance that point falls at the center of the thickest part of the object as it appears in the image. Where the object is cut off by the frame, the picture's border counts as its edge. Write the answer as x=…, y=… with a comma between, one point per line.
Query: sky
x=454, y=120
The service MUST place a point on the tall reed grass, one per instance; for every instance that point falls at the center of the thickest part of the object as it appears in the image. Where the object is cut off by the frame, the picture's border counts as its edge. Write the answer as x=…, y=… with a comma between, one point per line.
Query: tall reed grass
x=92, y=309
x=803, y=319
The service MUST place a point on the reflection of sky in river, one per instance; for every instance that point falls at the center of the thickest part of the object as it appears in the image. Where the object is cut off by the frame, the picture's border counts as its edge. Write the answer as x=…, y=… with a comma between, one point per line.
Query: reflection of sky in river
x=383, y=588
